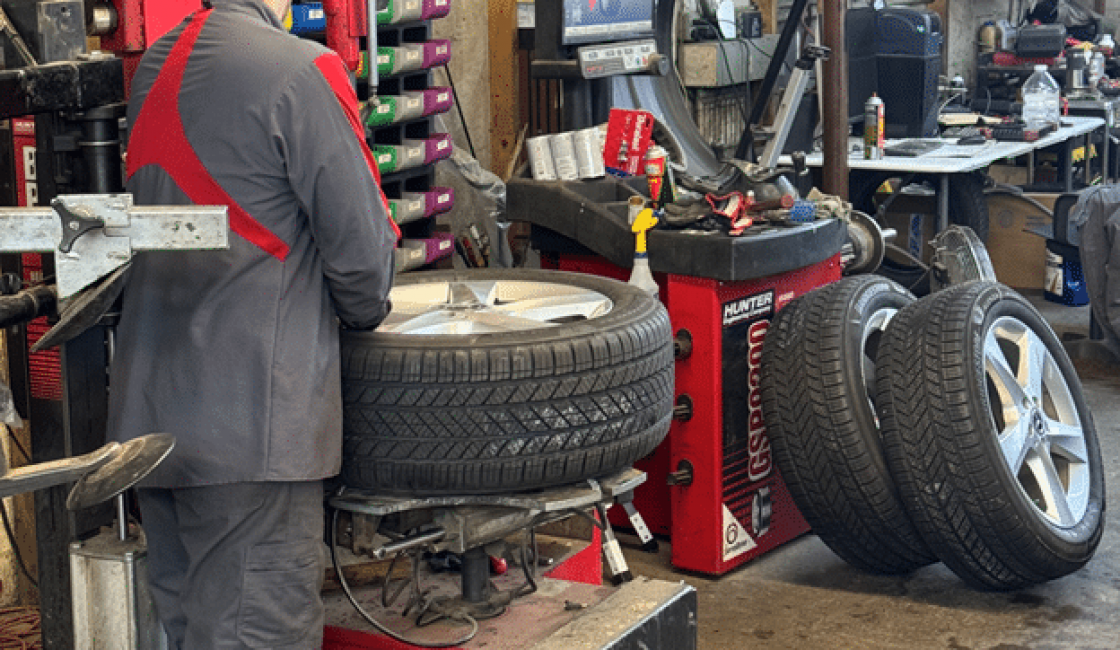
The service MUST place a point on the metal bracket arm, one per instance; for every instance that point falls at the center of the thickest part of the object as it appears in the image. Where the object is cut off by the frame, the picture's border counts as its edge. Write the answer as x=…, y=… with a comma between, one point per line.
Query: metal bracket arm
x=93, y=235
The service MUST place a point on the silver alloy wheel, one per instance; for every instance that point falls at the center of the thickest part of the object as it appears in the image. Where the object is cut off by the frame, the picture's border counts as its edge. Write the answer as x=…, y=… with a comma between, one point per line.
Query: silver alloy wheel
x=1040, y=432
x=490, y=306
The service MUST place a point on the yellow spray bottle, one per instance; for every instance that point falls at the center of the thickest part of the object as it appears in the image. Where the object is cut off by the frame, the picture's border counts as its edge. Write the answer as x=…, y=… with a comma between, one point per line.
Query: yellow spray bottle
x=640, y=275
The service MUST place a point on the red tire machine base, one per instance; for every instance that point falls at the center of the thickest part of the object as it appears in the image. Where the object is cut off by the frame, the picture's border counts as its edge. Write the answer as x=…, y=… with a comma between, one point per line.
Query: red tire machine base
x=728, y=504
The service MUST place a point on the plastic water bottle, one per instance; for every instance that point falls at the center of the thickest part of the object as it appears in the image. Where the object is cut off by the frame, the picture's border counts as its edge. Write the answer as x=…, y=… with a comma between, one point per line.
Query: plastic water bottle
x=1041, y=99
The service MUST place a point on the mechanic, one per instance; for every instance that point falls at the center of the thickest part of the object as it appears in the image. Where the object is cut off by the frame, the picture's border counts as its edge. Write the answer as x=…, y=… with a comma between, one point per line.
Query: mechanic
x=236, y=352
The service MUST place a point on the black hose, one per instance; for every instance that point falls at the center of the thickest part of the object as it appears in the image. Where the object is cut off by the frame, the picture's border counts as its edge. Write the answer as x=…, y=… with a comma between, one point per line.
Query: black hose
x=27, y=305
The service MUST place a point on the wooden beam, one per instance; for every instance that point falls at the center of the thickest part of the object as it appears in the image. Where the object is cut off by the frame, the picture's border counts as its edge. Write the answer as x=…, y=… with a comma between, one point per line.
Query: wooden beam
x=769, y=9
x=505, y=99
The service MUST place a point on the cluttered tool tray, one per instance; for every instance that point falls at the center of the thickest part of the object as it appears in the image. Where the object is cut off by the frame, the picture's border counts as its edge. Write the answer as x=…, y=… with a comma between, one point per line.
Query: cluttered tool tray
x=593, y=215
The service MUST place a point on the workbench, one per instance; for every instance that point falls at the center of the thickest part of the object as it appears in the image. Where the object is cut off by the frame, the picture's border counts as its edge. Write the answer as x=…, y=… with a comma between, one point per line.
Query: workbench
x=956, y=159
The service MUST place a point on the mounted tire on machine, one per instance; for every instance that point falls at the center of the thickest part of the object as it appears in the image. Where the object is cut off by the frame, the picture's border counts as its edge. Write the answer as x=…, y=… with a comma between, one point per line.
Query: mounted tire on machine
x=989, y=436
x=817, y=382
x=493, y=381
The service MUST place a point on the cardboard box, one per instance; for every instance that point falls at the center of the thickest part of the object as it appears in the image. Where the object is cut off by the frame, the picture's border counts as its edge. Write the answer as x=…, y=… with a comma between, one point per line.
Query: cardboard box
x=1018, y=256
x=714, y=64
x=913, y=218
x=1009, y=174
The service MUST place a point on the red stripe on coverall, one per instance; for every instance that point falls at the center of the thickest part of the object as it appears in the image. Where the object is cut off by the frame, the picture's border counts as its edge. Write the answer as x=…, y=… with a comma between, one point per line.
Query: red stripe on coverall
x=158, y=138
x=333, y=70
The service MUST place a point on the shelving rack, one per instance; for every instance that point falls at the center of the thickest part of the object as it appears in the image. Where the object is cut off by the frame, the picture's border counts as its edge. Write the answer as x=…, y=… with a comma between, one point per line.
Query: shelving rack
x=399, y=113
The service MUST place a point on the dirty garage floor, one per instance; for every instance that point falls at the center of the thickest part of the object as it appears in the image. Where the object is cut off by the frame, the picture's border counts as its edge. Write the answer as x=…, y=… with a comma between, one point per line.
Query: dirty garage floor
x=801, y=596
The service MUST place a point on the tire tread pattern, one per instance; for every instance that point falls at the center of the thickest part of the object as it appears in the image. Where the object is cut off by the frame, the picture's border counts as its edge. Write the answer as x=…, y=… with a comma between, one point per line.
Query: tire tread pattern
x=501, y=418
x=844, y=493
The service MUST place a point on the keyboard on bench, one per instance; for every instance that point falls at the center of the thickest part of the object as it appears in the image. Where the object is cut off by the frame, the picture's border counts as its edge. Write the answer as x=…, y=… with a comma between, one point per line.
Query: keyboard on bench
x=912, y=148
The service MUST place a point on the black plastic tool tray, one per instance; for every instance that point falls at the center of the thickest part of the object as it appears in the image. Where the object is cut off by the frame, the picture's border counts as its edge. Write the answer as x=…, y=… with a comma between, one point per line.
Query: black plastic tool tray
x=593, y=214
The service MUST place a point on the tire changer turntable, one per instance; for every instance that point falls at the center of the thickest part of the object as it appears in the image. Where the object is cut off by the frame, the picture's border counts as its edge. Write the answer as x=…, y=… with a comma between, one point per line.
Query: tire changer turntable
x=712, y=486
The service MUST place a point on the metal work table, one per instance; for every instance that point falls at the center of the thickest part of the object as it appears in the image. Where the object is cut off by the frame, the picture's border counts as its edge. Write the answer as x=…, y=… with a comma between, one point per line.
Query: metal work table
x=955, y=159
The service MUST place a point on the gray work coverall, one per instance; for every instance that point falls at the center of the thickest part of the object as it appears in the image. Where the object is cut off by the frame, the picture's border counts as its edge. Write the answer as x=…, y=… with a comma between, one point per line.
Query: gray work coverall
x=236, y=352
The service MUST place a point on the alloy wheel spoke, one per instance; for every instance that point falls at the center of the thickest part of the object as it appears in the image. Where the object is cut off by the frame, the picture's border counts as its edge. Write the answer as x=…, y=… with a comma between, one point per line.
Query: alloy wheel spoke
x=434, y=322
x=1015, y=442
x=489, y=321
x=1003, y=375
x=547, y=308
x=1037, y=361
x=472, y=293
x=1068, y=441
x=1056, y=502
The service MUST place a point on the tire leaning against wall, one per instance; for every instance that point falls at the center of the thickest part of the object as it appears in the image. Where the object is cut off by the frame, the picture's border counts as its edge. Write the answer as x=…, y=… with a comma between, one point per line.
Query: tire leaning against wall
x=486, y=413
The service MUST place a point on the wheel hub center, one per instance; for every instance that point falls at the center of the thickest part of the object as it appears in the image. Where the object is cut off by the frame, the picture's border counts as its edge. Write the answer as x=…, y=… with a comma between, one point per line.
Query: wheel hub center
x=1038, y=424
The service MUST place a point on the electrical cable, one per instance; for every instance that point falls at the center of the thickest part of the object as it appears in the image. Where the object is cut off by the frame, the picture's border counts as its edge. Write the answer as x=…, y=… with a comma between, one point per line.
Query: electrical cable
x=949, y=101
x=731, y=75
x=372, y=621
x=15, y=547
x=459, y=107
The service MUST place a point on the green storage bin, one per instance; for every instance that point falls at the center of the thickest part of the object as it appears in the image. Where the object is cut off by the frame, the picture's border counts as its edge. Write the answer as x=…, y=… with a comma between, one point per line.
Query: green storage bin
x=384, y=112
x=387, y=158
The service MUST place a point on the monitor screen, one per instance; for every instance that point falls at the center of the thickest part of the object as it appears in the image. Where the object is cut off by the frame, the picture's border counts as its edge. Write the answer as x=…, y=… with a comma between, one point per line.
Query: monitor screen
x=601, y=21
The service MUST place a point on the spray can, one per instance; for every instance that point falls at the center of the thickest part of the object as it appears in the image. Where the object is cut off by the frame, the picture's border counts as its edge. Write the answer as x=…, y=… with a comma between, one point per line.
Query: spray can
x=656, y=165
x=873, y=128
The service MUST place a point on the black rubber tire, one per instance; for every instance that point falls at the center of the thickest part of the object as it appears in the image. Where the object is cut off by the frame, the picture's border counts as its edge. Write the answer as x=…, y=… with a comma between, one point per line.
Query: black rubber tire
x=494, y=413
x=939, y=411
x=823, y=429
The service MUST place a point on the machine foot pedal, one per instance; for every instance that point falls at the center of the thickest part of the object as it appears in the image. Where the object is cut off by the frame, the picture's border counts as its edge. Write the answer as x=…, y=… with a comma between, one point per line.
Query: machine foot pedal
x=616, y=562
x=649, y=544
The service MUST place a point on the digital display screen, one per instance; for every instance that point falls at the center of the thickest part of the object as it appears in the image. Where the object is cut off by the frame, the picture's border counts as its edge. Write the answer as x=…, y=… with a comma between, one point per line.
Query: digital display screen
x=600, y=21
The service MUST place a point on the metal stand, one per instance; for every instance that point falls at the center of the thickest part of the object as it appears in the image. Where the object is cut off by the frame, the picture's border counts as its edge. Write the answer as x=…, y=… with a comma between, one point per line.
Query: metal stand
x=467, y=525
x=791, y=100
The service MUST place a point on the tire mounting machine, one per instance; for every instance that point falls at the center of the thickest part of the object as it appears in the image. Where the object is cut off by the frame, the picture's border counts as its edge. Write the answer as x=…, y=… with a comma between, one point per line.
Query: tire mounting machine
x=712, y=488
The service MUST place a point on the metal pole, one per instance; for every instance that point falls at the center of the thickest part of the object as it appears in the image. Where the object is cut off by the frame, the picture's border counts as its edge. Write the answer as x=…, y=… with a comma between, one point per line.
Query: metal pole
x=835, y=89
x=475, y=575
x=101, y=148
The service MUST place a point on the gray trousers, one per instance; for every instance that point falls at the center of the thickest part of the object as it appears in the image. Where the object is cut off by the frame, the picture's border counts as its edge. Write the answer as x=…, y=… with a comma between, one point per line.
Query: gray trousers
x=238, y=565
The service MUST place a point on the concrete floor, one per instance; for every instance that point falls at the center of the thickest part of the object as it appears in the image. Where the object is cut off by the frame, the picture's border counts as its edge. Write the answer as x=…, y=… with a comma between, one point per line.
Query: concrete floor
x=802, y=596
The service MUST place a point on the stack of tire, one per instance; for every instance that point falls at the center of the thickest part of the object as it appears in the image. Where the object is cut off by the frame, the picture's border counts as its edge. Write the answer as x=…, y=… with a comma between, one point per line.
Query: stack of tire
x=951, y=428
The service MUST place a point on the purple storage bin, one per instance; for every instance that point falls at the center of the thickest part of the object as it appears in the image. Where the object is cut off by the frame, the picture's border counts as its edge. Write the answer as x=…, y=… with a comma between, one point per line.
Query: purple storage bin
x=439, y=200
x=436, y=147
x=436, y=52
x=438, y=99
x=439, y=246
x=436, y=9
x=435, y=201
